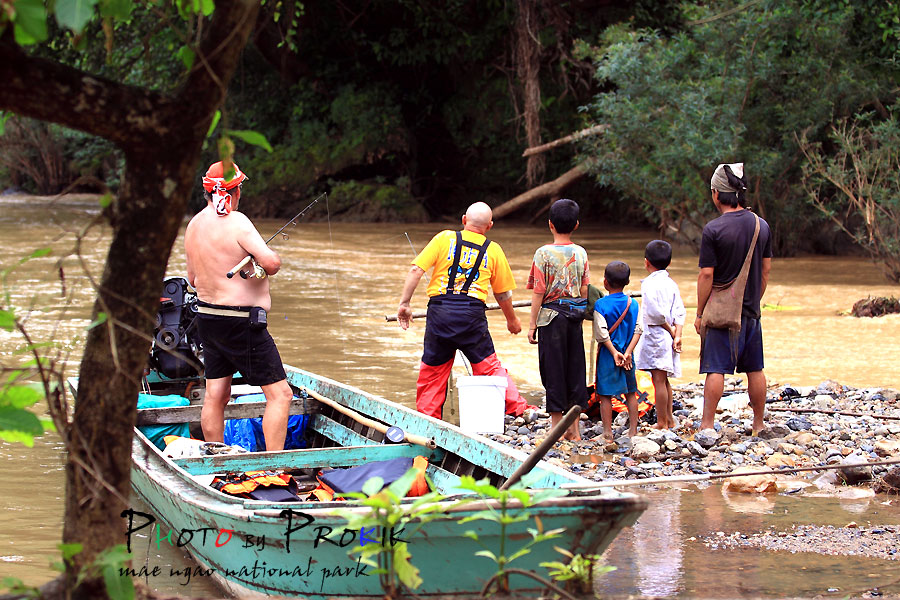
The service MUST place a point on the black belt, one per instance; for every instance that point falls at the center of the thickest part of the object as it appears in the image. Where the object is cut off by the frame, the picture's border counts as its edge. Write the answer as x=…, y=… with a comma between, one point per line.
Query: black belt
x=456, y=299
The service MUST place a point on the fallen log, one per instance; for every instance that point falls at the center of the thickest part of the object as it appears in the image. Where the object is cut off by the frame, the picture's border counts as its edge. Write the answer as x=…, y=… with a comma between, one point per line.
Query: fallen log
x=550, y=188
x=565, y=140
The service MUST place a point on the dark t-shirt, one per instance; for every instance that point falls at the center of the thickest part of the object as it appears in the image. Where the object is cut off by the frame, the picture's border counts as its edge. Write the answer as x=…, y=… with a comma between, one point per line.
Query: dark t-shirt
x=724, y=246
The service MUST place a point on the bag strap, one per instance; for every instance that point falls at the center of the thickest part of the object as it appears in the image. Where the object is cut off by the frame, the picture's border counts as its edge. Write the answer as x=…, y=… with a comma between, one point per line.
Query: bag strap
x=746, y=264
x=741, y=280
x=622, y=316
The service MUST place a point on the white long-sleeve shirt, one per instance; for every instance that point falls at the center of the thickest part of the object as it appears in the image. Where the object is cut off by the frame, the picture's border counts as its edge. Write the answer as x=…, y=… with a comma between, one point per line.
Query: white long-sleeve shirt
x=660, y=304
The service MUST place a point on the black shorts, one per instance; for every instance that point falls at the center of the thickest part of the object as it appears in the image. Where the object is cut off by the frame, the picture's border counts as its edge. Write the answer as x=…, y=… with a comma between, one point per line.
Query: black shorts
x=230, y=345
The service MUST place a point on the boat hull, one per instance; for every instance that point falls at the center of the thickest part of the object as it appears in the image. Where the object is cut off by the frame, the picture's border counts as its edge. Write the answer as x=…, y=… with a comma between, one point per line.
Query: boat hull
x=255, y=548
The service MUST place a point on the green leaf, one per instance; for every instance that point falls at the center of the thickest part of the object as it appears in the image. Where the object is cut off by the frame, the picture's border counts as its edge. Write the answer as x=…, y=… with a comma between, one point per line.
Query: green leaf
x=402, y=486
x=186, y=56
x=207, y=7
x=487, y=554
x=20, y=396
x=517, y=554
x=19, y=425
x=109, y=561
x=74, y=14
x=41, y=252
x=105, y=200
x=7, y=320
x=522, y=496
x=31, y=21
x=116, y=9
x=69, y=550
x=373, y=486
x=215, y=122
x=251, y=137
x=100, y=320
x=406, y=571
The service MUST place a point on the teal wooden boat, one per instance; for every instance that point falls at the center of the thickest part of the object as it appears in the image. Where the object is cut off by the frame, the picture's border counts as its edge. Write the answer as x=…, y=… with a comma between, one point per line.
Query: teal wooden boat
x=255, y=548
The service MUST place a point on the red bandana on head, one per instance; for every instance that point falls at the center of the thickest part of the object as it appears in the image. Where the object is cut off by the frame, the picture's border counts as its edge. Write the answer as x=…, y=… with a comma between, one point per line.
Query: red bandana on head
x=214, y=183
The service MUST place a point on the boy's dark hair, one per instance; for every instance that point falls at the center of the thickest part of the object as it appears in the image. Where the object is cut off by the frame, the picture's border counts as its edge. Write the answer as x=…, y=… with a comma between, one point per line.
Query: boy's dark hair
x=617, y=274
x=564, y=215
x=659, y=254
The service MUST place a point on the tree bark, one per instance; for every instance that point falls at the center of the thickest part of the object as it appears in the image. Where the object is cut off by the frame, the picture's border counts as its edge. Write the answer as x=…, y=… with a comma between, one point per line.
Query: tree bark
x=161, y=137
x=551, y=188
x=528, y=65
x=565, y=140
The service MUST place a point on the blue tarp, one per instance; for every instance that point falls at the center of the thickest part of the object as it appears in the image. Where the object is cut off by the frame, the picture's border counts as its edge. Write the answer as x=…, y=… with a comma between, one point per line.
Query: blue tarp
x=156, y=433
x=248, y=433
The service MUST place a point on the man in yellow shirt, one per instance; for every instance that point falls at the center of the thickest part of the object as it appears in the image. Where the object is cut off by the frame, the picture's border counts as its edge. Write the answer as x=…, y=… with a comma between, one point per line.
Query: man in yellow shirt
x=465, y=263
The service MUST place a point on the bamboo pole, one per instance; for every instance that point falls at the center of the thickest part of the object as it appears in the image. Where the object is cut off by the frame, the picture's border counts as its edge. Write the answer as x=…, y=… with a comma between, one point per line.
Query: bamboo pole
x=409, y=437
x=516, y=304
x=552, y=437
x=826, y=411
x=709, y=476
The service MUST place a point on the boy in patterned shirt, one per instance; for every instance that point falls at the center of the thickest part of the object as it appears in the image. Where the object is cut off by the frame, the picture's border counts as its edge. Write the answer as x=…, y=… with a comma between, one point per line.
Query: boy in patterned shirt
x=559, y=277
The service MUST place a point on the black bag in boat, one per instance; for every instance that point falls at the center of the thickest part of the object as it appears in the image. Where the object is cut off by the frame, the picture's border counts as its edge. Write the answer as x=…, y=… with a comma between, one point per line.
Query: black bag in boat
x=352, y=479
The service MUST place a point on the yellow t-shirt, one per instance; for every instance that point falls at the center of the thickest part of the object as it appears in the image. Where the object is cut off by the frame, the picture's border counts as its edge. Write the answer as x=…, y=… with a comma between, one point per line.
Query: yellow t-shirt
x=439, y=254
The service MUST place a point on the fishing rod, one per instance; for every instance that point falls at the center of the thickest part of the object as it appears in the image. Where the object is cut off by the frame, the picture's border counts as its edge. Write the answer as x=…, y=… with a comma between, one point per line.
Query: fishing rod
x=293, y=221
x=492, y=306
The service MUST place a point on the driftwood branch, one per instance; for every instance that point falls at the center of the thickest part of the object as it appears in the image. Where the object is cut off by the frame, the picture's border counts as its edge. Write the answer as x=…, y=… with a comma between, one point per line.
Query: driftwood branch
x=565, y=140
x=550, y=188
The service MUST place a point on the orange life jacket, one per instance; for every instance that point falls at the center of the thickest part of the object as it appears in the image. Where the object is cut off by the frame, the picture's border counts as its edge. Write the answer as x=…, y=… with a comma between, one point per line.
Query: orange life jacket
x=241, y=484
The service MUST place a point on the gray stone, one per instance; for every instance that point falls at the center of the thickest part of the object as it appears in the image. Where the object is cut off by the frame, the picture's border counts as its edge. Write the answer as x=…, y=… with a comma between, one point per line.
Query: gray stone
x=706, y=438
x=774, y=431
x=855, y=475
x=696, y=449
x=799, y=423
x=643, y=448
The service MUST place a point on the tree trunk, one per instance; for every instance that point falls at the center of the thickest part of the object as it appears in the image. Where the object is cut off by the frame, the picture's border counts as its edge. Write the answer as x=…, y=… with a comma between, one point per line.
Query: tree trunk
x=551, y=188
x=528, y=65
x=162, y=138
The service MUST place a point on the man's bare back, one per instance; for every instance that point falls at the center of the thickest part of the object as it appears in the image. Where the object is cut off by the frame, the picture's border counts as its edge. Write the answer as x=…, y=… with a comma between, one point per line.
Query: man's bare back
x=214, y=245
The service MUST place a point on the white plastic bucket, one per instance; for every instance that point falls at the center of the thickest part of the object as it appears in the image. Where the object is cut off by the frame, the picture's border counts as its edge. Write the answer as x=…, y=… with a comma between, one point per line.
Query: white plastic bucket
x=481, y=403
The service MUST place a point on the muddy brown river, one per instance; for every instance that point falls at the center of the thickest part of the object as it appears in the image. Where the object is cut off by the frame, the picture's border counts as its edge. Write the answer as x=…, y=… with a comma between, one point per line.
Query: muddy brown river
x=329, y=302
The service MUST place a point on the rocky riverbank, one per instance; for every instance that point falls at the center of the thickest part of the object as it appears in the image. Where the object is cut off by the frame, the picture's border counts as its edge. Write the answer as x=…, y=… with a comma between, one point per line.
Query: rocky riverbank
x=828, y=424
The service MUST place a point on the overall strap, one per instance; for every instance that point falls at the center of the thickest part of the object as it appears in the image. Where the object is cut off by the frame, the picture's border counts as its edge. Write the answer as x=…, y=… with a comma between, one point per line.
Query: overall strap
x=473, y=272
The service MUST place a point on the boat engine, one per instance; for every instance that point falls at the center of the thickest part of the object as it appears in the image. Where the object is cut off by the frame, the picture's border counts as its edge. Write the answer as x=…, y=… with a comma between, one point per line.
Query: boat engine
x=176, y=346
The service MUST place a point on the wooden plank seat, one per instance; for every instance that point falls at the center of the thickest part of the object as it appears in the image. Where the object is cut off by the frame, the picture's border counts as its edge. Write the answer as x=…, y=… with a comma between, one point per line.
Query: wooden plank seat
x=191, y=414
x=315, y=458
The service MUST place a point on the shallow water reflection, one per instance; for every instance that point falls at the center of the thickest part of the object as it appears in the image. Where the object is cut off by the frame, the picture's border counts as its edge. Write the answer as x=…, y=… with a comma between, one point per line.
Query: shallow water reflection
x=671, y=551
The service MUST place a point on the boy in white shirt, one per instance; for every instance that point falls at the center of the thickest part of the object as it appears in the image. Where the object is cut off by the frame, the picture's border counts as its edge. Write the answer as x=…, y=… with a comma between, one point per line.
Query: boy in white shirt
x=659, y=349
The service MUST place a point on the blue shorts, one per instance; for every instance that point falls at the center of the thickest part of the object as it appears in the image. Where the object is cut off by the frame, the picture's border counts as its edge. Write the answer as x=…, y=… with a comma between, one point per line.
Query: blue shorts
x=613, y=380
x=716, y=355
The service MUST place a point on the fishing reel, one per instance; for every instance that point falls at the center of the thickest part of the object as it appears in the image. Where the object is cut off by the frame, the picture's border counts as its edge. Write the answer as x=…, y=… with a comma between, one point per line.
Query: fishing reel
x=176, y=347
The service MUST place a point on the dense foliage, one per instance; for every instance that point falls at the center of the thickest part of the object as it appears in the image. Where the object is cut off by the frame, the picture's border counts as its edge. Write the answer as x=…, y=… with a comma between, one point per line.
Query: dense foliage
x=733, y=89
x=404, y=110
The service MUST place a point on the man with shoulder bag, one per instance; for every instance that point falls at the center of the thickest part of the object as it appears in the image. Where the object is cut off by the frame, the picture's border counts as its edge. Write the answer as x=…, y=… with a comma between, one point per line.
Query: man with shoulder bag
x=735, y=260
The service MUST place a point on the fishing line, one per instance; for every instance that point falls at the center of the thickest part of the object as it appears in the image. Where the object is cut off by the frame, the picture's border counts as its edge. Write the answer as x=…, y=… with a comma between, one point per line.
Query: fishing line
x=337, y=287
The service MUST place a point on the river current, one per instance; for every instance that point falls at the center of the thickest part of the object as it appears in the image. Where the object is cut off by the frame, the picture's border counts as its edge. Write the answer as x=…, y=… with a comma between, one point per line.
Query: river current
x=340, y=280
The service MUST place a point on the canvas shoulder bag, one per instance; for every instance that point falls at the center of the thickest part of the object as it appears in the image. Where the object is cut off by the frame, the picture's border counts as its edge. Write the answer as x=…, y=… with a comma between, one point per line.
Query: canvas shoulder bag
x=723, y=309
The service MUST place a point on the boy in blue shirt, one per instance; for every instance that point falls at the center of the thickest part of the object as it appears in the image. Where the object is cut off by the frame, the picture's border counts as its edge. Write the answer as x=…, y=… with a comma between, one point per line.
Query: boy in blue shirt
x=617, y=331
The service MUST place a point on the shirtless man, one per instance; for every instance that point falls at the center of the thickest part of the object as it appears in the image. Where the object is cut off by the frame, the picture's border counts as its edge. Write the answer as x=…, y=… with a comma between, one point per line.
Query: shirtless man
x=229, y=321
